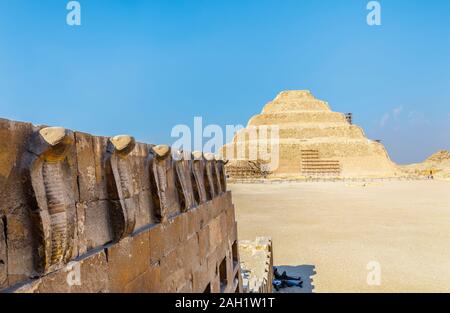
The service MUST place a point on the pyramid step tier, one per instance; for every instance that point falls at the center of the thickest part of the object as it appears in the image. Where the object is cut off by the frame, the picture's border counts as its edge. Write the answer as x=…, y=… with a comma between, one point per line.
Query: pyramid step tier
x=295, y=106
x=291, y=148
x=293, y=118
x=302, y=132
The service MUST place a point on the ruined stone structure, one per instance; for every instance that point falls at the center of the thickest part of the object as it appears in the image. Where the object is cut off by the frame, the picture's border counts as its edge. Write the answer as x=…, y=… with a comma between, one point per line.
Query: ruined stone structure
x=80, y=213
x=257, y=265
x=313, y=141
x=437, y=166
x=245, y=169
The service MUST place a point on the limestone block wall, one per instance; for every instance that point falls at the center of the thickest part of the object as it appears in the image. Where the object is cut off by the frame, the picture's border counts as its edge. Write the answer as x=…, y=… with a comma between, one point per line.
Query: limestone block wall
x=302, y=132
x=292, y=118
x=257, y=265
x=82, y=213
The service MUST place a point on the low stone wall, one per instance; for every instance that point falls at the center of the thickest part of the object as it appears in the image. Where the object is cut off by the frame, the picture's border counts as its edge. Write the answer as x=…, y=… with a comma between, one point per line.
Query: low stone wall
x=81, y=213
x=257, y=265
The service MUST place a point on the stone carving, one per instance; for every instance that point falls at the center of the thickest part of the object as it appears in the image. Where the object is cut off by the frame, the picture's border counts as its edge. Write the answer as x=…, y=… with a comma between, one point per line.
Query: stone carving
x=120, y=185
x=211, y=174
x=53, y=209
x=183, y=167
x=220, y=166
x=162, y=169
x=245, y=169
x=69, y=200
x=201, y=186
x=217, y=176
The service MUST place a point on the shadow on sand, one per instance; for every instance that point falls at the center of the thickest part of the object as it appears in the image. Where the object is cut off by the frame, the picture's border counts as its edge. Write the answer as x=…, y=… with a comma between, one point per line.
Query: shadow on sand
x=304, y=271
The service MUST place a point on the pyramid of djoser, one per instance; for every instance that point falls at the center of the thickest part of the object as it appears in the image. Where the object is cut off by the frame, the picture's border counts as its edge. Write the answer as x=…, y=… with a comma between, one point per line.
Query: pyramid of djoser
x=313, y=141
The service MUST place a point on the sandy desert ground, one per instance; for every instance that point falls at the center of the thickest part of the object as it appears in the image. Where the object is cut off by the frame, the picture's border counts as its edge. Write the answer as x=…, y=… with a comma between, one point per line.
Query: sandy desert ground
x=333, y=230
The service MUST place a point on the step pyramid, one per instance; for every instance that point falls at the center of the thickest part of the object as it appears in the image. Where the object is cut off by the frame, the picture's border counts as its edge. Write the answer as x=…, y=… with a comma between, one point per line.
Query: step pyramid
x=313, y=140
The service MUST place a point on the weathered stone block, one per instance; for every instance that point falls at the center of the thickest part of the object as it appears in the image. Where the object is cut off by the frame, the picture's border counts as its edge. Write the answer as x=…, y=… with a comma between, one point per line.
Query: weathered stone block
x=211, y=175
x=215, y=284
x=80, y=236
x=190, y=254
x=215, y=233
x=127, y=260
x=205, y=213
x=230, y=217
x=97, y=226
x=153, y=278
x=222, y=174
x=201, y=278
x=143, y=166
x=188, y=285
x=203, y=242
x=87, y=180
x=138, y=167
x=193, y=221
x=156, y=243
x=223, y=228
x=175, y=282
x=170, y=236
x=94, y=276
x=218, y=177
x=198, y=173
x=21, y=252
x=173, y=275
x=86, y=275
x=138, y=285
x=101, y=167
x=233, y=234
x=228, y=198
x=145, y=209
x=212, y=264
x=216, y=206
x=3, y=257
x=181, y=227
x=221, y=255
x=230, y=269
x=13, y=136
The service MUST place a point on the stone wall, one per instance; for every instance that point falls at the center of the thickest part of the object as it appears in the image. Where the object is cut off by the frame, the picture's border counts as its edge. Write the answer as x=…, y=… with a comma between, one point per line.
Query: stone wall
x=257, y=265
x=81, y=213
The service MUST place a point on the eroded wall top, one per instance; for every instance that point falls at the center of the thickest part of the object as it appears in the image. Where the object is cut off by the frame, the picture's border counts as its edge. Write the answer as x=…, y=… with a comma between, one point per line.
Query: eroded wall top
x=65, y=195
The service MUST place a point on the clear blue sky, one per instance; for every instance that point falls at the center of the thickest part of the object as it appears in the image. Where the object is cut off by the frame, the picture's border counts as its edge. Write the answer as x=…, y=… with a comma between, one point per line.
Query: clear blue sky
x=142, y=66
